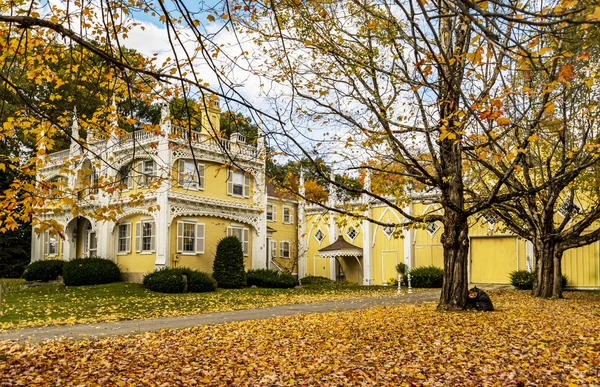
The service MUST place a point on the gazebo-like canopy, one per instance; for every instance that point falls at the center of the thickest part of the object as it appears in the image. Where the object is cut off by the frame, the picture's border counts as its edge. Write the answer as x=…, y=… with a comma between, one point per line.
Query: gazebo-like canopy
x=341, y=248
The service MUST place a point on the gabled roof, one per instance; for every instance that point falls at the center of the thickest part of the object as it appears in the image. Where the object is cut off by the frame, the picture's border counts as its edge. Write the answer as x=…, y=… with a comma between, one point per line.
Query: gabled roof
x=341, y=248
x=274, y=192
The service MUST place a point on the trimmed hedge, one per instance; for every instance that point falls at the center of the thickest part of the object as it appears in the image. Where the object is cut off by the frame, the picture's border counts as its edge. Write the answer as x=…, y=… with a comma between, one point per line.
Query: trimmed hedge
x=171, y=280
x=90, y=271
x=315, y=280
x=266, y=278
x=427, y=277
x=43, y=271
x=522, y=279
x=228, y=267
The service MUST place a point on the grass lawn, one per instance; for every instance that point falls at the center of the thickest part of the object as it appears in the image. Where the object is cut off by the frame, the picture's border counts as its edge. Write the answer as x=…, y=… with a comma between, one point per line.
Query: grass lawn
x=59, y=304
x=525, y=342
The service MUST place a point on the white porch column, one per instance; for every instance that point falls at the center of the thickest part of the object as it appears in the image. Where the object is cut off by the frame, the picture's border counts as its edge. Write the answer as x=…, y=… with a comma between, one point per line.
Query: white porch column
x=164, y=163
x=105, y=240
x=259, y=198
x=408, y=240
x=366, y=233
x=331, y=202
x=37, y=246
x=302, y=237
x=529, y=258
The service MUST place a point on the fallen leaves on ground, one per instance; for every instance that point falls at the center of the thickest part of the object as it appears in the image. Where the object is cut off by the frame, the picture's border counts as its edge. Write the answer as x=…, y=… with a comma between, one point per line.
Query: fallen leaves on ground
x=526, y=342
x=62, y=305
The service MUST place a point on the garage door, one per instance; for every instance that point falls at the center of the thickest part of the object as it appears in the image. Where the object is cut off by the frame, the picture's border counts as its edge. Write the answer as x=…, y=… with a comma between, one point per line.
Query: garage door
x=492, y=259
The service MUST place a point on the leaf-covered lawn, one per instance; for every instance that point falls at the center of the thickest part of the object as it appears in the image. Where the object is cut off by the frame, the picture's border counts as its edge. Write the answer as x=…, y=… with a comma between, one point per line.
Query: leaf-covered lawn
x=59, y=304
x=526, y=342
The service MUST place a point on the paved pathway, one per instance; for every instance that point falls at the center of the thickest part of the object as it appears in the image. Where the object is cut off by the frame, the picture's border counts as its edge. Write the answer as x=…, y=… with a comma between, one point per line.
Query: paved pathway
x=82, y=331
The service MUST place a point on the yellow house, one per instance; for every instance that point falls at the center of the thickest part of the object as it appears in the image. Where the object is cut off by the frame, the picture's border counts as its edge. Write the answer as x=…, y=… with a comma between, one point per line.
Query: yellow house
x=340, y=247
x=176, y=202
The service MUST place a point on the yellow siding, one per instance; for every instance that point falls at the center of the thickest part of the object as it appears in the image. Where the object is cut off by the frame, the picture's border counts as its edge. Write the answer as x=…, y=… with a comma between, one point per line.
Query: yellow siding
x=493, y=259
x=215, y=183
x=134, y=262
x=386, y=251
x=215, y=229
x=314, y=264
x=428, y=249
x=285, y=232
x=522, y=254
x=580, y=265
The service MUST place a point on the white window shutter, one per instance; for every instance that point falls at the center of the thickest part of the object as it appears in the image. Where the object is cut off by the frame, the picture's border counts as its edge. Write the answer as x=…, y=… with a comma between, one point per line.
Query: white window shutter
x=180, y=174
x=291, y=215
x=138, y=237
x=47, y=242
x=179, y=237
x=246, y=186
x=281, y=244
x=229, y=231
x=274, y=212
x=128, y=240
x=246, y=241
x=273, y=249
x=153, y=236
x=129, y=177
x=229, y=182
x=154, y=168
x=140, y=173
x=201, y=176
x=200, y=238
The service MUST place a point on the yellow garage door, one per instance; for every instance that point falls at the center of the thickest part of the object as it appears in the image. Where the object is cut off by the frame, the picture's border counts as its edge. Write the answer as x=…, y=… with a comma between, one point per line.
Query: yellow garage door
x=389, y=262
x=321, y=266
x=581, y=266
x=492, y=259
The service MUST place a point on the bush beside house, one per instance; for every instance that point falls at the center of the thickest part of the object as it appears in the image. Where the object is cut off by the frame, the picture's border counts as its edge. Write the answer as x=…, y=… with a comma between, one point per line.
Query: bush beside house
x=522, y=279
x=179, y=280
x=90, y=271
x=43, y=271
x=228, y=267
x=266, y=278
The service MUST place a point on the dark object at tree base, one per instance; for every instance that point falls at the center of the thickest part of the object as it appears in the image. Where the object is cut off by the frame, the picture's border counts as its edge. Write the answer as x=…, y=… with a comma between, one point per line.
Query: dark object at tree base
x=479, y=300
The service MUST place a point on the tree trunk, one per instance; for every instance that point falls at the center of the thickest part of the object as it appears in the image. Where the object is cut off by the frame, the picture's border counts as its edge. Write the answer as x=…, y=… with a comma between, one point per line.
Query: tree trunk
x=455, y=240
x=557, y=274
x=544, y=268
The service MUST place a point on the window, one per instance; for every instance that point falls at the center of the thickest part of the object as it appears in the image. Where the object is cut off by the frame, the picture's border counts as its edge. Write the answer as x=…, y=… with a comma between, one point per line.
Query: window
x=51, y=244
x=243, y=234
x=238, y=184
x=319, y=236
x=567, y=208
x=146, y=170
x=271, y=212
x=190, y=237
x=94, y=189
x=352, y=233
x=432, y=228
x=124, y=239
x=57, y=186
x=288, y=217
x=125, y=177
x=388, y=230
x=92, y=244
x=273, y=249
x=490, y=217
x=145, y=236
x=189, y=176
x=284, y=249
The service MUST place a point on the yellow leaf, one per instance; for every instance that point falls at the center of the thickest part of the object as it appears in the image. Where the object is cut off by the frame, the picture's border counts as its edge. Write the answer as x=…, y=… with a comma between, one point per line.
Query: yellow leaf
x=503, y=121
x=210, y=18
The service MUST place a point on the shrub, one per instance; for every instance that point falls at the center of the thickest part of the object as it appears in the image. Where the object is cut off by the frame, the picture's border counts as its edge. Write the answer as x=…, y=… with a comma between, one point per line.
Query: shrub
x=228, y=268
x=43, y=270
x=427, y=277
x=164, y=281
x=171, y=280
x=266, y=278
x=401, y=268
x=90, y=271
x=315, y=280
x=522, y=279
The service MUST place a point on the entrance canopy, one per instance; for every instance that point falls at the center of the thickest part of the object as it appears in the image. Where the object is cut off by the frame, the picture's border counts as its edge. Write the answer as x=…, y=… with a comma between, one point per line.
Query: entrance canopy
x=341, y=248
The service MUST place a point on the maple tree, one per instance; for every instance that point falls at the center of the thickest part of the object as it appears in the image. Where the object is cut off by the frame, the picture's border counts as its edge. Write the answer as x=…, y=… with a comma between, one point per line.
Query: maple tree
x=425, y=86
